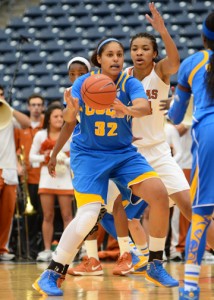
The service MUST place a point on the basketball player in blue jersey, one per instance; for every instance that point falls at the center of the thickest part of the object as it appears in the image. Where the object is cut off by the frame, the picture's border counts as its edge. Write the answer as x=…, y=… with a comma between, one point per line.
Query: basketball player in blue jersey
x=196, y=76
x=101, y=150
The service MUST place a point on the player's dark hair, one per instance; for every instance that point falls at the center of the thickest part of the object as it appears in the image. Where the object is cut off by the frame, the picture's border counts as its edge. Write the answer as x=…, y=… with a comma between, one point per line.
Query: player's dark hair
x=101, y=49
x=147, y=36
x=48, y=113
x=209, y=79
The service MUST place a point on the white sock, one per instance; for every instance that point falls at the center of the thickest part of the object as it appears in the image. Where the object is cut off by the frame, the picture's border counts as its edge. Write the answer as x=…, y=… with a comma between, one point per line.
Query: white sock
x=143, y=249
x=191, y=277
x=91, y=248
x=123, y=244
x=156, y=244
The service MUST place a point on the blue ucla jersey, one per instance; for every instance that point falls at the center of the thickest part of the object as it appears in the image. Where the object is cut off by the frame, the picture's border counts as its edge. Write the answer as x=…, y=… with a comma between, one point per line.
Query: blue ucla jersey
x=99, y=131
x=191, y=75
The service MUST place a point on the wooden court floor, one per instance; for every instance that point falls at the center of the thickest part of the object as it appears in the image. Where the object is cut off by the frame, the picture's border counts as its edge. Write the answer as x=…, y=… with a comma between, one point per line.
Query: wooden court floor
x=16, y=284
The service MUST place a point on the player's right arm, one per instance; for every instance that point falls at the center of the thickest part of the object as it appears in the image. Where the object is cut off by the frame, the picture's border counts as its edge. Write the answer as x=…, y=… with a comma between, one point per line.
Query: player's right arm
x=65, y=134
x=72, y=107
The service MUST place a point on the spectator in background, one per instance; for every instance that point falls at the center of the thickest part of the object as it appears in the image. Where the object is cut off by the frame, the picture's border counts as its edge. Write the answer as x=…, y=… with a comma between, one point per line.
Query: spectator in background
x=24, y=139
x=49, y=187
x=8, y=170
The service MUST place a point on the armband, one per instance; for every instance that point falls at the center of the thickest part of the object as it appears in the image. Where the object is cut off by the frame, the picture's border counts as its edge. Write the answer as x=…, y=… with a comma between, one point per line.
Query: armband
x=179, y=106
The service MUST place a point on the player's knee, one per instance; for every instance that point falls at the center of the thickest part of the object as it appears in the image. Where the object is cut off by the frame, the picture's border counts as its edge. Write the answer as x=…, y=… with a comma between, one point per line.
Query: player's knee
x=87, y=218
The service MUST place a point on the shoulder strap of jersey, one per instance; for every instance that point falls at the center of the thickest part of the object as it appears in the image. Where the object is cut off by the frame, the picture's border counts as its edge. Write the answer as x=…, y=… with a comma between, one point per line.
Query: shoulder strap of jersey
x=95, y=72
x=122, y=80
x=198, y=66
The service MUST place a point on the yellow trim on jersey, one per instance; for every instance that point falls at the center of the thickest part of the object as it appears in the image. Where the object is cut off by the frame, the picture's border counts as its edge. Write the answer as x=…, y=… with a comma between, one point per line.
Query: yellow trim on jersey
x=125, y=203
x=124, y=81
x=194, y=185
x=123, y=77
x=198, y=66
x=143, y=177
x=82, y=199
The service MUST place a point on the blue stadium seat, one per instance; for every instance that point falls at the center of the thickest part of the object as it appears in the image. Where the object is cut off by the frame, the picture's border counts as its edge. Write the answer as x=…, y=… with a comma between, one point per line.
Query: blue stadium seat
x=3, y=36
x=23, y=82
x=56, y=58
x=49, y=3
x=124, y=10
x=131, y=21
x=39, y=70
x=102, y=10
x=8, y=58
x=51, y=94
x=16, y=23
x=92, y=34
x=45, y=34
x=33, y=12
x=69, y=34
x=29, y=48
x=78, y=11
x=50, y=46
x=38, y=23
x=22, y=95
x=107, y=21
x=5, y=47
x=45, y=81
x=62, y=23
x=85, y=22
x=33, y=58
x=55, y=12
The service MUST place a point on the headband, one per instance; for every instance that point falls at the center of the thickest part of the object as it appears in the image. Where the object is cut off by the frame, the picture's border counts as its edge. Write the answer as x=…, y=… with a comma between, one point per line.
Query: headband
x=105, y=42
x=208, y=33
x=81, y=59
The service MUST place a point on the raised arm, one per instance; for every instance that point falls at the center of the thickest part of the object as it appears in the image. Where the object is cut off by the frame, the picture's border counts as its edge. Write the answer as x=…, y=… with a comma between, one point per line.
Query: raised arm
x=170, y=64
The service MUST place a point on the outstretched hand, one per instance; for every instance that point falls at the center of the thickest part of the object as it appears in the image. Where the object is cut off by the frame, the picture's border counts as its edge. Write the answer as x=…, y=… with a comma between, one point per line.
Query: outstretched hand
x=156, y=20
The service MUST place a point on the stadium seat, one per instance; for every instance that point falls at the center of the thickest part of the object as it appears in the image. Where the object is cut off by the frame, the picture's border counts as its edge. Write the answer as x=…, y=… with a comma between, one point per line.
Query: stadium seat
x=39, y=70
x=33, y=58
x=69, y=34
x=55, y=12
x=23, y=81
x=45, y=34
x=56, y=58
x=45, y=81
x=50, y=46
x=8, y=58
x=49, y=3
x=38, y=23
x=5, y=47
x=33, y=12
x=62, y=23
x=16, y=23
x=51, y=94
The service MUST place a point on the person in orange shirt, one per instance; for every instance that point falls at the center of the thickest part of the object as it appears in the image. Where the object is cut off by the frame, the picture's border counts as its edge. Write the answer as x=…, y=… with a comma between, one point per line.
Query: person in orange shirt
x=31, y=172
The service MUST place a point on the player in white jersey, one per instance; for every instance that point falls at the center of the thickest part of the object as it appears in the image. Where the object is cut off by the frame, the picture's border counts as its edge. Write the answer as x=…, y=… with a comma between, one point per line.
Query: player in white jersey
x=149, y=130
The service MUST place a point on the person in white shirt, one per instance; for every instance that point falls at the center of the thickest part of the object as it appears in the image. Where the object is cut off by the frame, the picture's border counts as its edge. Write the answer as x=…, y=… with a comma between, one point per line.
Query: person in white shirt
x=8, y=170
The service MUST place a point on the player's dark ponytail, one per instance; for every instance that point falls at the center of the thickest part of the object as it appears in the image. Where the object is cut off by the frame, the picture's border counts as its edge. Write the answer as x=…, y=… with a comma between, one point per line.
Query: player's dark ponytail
x=209, y=79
